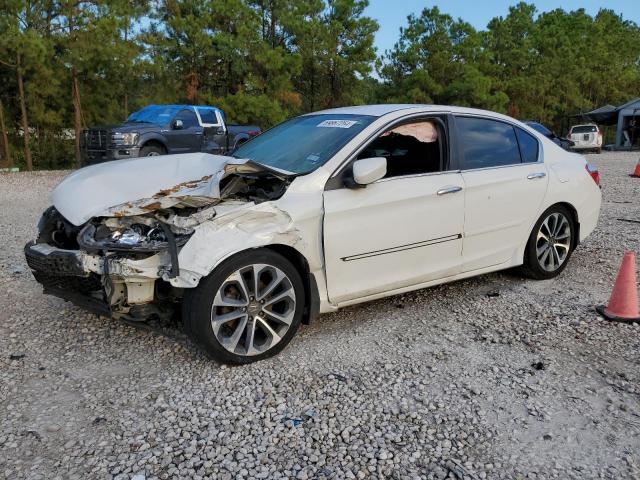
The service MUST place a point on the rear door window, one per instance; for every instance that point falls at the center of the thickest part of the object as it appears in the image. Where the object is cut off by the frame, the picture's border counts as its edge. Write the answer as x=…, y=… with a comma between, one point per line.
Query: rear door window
x=528, y=146
x=208, y=116
x=487, y=143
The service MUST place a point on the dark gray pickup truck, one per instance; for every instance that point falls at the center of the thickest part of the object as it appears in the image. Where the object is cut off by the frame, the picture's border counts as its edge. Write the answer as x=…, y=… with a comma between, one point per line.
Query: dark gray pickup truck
x=164, y=129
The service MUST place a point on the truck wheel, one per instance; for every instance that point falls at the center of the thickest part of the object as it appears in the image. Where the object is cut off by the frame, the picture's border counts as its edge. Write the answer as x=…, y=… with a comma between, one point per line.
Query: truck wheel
x=151, y=151
x=248, y=309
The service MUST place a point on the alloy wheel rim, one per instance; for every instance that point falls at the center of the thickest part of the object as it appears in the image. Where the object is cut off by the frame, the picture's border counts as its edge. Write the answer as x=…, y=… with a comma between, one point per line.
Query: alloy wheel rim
x=553, y=242
x=253, y=309
x=153, y=154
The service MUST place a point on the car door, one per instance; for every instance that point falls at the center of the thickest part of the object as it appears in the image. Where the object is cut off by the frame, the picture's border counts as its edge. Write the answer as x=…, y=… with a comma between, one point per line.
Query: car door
x=505, y=181
x=215, y=134
x=185, y=133
x=402, y=230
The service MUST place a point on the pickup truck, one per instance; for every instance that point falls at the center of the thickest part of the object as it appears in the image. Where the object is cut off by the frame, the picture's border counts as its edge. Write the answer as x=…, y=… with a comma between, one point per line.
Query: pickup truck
x=164, y=129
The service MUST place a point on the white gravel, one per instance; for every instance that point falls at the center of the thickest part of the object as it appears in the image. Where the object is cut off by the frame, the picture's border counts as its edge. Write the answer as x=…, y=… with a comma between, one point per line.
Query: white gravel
x=492, y=377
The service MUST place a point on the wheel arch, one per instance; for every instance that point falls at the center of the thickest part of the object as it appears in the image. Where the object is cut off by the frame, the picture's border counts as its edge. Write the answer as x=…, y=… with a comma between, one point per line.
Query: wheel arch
x=240, y=139
x=155, y=142
x=576, y=219
x=312, y=296
x=311, y=293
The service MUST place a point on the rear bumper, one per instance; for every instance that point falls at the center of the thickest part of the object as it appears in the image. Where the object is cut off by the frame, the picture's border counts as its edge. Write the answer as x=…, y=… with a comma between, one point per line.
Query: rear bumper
x=592, y=146
x=63, y=273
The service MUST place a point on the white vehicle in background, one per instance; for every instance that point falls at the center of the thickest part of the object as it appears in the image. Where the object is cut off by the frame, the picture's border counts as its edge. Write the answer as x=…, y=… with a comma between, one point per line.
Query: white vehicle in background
x=586, y=137
x=323, y=211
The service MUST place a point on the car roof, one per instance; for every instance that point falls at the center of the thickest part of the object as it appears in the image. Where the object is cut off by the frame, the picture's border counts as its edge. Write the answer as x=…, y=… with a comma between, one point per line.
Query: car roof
x=384, y=109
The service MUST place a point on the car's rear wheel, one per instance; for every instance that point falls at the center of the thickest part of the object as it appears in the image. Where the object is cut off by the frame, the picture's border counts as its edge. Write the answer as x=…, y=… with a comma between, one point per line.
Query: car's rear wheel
x=151, y=151
x=550, y=244
x=246, y=310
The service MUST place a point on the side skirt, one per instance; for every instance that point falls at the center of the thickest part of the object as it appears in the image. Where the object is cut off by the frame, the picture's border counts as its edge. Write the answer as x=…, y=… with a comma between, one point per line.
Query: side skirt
x=411, y=288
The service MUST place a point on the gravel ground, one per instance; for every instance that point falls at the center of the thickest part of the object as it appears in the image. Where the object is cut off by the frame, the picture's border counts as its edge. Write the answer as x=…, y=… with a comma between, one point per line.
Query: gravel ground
x=492, y=377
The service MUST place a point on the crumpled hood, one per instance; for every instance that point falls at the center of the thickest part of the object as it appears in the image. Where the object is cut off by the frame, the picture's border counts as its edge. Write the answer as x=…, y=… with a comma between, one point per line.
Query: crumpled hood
x=140, y=185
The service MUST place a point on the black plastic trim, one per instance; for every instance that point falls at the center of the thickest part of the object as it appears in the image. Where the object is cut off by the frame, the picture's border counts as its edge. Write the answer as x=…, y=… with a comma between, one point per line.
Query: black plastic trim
x=402, y=248
x=313, y=308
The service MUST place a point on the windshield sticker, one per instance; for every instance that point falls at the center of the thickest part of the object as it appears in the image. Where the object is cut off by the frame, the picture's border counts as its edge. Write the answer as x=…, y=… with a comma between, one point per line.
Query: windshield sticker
x=337, y=123
x=313, y=158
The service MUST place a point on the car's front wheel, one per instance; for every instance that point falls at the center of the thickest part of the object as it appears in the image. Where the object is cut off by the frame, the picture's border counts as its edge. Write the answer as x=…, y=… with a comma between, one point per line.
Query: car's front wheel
x=249, y=308
x=550, y=244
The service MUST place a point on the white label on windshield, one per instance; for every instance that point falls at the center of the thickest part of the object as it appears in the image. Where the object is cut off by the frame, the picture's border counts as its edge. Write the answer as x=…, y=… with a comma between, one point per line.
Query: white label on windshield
x=338, y=123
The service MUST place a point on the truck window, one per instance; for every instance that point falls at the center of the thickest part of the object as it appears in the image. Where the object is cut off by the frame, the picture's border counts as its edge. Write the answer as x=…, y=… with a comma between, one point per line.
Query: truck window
x=208, y=116
x=188, y=118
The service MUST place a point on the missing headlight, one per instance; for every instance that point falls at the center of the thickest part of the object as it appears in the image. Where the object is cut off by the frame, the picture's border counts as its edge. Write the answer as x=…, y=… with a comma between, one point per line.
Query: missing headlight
x=126, y=235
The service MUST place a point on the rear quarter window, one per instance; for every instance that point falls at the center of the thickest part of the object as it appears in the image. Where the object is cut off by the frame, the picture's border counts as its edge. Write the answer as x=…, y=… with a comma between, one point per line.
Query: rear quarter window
x=528, y=146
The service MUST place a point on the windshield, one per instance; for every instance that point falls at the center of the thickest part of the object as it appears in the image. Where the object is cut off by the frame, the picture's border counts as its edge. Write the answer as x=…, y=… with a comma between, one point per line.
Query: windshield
x=303, y=144
x=158, y=114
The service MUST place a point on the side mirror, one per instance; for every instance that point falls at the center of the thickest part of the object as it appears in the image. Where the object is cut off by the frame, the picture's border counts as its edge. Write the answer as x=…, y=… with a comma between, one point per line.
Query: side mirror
x=177, y=124
x=368, y=170
x=219, y=130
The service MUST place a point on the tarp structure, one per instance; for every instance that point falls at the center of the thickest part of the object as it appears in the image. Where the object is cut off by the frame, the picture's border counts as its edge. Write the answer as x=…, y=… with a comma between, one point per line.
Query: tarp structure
x=606, y=115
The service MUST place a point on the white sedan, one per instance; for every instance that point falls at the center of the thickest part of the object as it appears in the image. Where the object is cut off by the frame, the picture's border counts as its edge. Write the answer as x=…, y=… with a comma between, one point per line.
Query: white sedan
x=325, y=210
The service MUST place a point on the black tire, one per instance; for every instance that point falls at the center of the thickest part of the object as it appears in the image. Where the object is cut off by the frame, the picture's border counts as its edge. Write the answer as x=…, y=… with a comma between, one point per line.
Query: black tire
x=151, y=151
x=599, y=151
x=198, y=304
x=531, y=267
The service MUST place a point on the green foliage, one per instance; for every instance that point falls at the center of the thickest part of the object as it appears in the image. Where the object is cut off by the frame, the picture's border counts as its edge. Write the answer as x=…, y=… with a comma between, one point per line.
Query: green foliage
x=263, y=61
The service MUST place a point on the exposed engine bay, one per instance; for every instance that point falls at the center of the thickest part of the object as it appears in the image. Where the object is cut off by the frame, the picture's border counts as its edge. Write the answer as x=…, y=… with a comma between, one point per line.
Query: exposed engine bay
x=121, y=264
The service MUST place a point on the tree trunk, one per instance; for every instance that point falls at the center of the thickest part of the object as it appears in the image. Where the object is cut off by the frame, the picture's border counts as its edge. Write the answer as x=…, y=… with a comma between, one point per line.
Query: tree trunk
x=6, y=155
x=126, y=72
x=77, y=114
x=25, y=120
x=272, y=26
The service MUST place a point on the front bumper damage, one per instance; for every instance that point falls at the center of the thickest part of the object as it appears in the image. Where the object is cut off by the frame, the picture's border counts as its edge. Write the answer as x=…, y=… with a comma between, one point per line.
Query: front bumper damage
x=113, y=285
x=125, y=259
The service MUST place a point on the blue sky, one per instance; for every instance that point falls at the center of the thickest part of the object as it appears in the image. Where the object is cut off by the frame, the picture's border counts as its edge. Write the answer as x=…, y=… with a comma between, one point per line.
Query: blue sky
x=392, y=14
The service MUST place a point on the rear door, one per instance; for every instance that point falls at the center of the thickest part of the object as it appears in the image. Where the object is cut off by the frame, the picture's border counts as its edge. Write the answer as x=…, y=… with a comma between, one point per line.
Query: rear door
x=505, y=181
x=215, y=133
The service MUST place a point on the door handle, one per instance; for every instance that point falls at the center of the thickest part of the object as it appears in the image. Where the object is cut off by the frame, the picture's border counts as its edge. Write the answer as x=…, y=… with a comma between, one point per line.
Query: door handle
x=452, y=189
x=531, y=176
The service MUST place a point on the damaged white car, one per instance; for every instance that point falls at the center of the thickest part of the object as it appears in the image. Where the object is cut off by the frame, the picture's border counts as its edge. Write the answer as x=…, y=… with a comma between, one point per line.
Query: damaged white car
x=325, y=210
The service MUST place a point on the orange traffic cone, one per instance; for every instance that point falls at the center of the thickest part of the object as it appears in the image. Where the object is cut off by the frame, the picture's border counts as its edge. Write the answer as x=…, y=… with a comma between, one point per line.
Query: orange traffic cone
x=623, y=303
x=636, y=172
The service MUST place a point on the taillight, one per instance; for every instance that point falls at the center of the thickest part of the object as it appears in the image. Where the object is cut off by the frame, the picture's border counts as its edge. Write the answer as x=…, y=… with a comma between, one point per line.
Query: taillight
x=593, y=171
x=253, y=133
